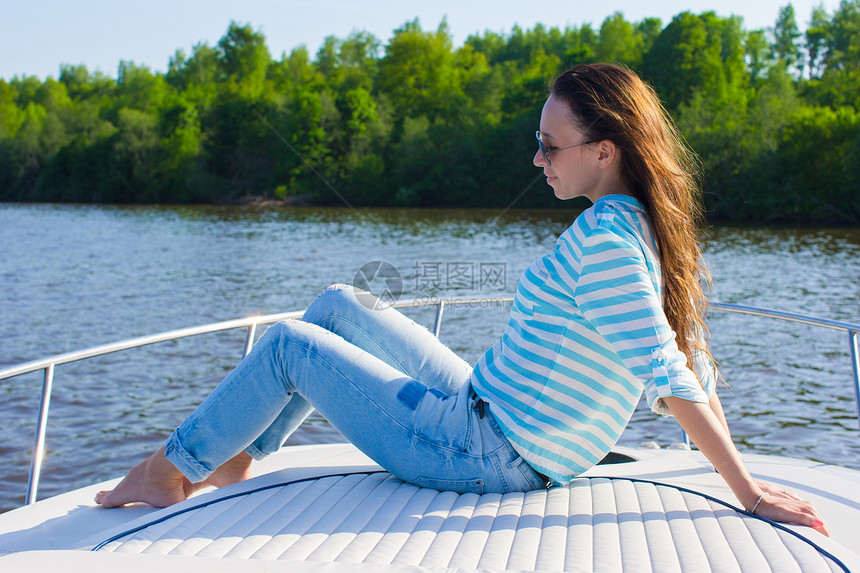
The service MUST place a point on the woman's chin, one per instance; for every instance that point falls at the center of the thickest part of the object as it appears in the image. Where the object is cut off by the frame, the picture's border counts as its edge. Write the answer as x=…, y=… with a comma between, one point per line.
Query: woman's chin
x=566, y=194
x=553, y=182
x=560, y=193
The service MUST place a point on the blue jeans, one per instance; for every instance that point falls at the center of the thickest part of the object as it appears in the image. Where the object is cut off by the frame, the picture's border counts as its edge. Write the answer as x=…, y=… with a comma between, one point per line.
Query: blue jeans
x=386, y=383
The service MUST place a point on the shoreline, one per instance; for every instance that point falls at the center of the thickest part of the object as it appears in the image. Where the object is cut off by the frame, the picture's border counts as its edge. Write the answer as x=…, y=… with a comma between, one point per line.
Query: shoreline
x=263, y=203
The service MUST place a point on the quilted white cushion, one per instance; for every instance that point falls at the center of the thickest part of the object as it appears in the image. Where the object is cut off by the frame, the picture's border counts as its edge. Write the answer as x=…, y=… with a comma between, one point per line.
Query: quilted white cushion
x=595, y=524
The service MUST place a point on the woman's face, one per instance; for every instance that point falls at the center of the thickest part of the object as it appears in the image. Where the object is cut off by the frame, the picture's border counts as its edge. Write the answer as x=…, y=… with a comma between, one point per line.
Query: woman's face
x=573, y=171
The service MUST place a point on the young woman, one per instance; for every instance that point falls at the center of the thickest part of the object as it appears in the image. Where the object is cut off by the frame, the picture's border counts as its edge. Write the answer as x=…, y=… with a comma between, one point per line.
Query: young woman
x=616, y=309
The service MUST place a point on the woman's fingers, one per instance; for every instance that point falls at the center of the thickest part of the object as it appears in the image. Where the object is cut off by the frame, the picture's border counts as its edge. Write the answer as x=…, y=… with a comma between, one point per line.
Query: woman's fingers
x=788, y=510
x=821, y=527
x=816, y=523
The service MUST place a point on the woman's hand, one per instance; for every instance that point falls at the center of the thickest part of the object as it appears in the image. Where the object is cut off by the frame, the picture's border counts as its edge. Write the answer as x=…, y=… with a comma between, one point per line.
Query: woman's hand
x=784, y=506
x=711, y=436
x=775, y=491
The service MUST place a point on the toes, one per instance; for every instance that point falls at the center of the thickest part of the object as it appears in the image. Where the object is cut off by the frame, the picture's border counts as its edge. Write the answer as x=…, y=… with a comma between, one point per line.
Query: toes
x=104, y=499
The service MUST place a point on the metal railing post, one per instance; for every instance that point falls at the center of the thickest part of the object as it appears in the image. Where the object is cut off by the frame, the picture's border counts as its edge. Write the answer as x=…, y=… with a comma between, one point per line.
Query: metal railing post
x=855, y=364
x=249, y=339
x=39, y=446
x=438, y=326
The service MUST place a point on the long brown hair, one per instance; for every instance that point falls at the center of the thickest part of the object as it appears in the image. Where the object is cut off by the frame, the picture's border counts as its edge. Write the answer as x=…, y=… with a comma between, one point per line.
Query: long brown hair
x=611, y=102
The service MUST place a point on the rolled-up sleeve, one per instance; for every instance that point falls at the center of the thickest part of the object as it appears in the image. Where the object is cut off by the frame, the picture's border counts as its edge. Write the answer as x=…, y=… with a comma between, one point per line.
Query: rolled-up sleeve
x=617, y=294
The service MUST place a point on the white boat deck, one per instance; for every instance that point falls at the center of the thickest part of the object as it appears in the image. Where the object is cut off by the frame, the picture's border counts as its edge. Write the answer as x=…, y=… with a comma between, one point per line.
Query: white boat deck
x=333, y=509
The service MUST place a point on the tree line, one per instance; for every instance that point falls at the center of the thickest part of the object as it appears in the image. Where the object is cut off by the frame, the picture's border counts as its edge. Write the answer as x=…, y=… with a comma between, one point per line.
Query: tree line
x=773, y=114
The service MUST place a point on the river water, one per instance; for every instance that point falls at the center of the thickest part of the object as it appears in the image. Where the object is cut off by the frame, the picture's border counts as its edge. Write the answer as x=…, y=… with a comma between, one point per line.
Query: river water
x=78, y=276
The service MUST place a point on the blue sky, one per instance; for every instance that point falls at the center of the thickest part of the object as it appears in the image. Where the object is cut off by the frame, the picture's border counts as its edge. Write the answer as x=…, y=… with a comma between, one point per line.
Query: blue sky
x=36, y=36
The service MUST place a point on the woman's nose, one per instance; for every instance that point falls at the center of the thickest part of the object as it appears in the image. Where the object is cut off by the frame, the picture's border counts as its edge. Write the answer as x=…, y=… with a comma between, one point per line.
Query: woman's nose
x=538, y=159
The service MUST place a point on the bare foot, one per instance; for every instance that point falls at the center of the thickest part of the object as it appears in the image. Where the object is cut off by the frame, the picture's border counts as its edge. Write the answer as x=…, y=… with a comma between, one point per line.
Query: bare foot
x=155, y=481
x=234, y=470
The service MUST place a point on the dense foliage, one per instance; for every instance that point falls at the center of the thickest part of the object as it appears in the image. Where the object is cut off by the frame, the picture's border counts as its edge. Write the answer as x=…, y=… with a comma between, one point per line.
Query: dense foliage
x=774, y=114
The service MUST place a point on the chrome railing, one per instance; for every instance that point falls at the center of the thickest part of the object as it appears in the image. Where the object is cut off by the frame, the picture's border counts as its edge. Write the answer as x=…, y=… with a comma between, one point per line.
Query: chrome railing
x=851, y=329
x=49, y=364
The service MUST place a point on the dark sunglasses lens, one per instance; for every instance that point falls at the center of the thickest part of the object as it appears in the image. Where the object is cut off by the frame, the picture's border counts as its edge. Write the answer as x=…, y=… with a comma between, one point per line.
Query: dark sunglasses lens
x=542, y=148
x=543, y=151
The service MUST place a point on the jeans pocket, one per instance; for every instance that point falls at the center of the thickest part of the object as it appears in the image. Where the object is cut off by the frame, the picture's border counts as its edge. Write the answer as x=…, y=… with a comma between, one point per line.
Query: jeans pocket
x=444, y=421
x=458, y=485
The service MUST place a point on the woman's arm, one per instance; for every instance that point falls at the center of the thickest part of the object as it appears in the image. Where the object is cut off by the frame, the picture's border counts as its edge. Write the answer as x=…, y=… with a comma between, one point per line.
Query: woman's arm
x=705, y=424
x=717, y=408
x=772, y=490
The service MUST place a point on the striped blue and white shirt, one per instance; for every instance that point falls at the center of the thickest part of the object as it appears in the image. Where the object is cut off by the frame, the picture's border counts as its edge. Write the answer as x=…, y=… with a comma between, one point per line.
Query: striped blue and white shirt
x=587, y=334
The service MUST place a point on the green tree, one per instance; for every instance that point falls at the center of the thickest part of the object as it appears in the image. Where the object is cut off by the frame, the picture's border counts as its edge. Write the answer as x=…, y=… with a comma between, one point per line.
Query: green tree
x=82, y=86
x=138, y=88
x=619, y=42
x=785, y=46
x=135, y=147
x=243, y=59
x=843, y=46
x=198, y=70
x=738, y=147
x=491, y=44
x=359, y=60
x=10, y=115
x=816, y=186
x=240, y=151
x=839, y=84
x=54, y=99
x=698, y=55
x=649, y=30
x=584, y=47
x=178, y=171
x=482, y=86
x=757, y=51
x=815, y=42
x=418, y=73
x=26, y=87
x=361, y=162
x=21, y=157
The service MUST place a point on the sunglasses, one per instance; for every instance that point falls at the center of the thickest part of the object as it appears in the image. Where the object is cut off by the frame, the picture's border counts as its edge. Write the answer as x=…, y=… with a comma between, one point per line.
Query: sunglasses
x=545, y=152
